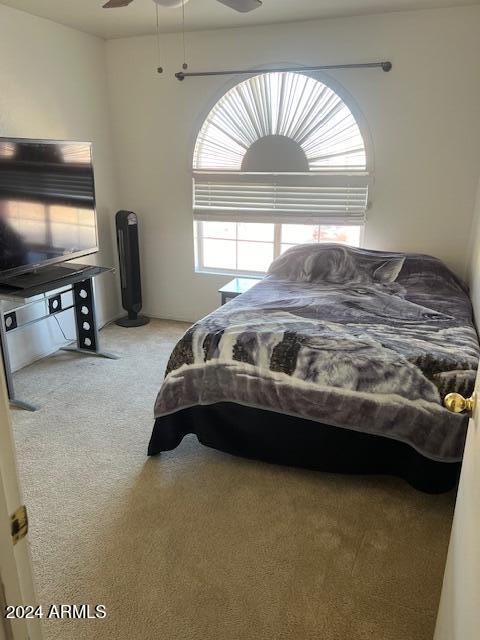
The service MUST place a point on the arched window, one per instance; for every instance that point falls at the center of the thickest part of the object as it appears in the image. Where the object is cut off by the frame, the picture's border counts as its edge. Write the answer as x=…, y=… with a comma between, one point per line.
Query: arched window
x=279, y=160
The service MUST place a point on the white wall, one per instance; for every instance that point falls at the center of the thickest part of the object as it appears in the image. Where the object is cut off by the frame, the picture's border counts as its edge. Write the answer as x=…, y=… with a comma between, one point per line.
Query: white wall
x=53, y=85
x=458, y=612
x=423, y=118
x=473, y=275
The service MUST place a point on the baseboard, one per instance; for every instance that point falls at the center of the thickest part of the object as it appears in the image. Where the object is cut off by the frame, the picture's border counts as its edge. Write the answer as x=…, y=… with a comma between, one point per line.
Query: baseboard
x=112, y=319
x=39, y=356
x=171, y=319
x=104, y=322
x=53, y=349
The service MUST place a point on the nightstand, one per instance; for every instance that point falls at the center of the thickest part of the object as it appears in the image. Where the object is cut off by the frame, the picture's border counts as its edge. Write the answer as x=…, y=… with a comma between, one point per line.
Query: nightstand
x=236, y=287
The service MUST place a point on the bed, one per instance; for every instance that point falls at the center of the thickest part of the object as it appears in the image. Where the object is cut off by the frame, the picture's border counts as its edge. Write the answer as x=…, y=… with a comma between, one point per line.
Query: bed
x=338, y=360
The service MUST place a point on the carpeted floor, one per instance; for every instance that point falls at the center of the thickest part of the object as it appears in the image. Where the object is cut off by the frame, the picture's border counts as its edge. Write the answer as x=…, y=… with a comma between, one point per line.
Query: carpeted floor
x=199, y=545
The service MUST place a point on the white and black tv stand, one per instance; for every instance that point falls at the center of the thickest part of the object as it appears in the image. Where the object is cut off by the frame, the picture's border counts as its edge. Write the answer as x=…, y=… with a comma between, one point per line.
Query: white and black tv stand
x=75, y=279
x=42, y=275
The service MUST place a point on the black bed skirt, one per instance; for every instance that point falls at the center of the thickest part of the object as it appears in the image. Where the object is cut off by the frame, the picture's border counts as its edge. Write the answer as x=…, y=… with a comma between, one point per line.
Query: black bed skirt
x=282, y=439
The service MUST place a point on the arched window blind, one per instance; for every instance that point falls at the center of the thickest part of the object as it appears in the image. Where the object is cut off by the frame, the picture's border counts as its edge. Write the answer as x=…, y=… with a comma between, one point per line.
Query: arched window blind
x=281, y=148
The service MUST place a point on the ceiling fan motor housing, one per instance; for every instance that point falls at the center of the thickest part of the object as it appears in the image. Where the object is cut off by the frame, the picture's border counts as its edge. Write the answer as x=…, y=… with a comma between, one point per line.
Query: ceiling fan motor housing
x=243, y=6
x=170, y=4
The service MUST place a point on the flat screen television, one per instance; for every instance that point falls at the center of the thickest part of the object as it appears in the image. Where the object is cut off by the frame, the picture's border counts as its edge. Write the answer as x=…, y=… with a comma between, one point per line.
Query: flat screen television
x=47, y=204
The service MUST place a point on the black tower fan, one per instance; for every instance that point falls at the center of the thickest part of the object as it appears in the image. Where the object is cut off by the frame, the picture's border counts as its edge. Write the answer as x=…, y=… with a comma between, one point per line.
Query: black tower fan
x=129, y=258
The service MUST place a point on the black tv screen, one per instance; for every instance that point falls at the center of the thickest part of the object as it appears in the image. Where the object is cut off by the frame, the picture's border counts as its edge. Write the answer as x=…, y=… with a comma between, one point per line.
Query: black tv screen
x=47, y=203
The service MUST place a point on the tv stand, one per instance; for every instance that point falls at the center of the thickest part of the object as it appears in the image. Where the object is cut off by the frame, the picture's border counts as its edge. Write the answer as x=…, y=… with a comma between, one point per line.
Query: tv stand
x=44, y=275
x=78, y=287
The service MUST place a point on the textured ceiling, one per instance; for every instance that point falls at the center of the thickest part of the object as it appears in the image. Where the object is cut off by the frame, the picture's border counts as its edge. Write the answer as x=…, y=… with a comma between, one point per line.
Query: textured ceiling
x=139, y=17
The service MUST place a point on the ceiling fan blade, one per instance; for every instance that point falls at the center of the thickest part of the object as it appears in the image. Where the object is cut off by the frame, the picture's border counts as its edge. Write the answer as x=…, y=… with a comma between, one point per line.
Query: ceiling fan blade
x=242, y=5
x=114, y=4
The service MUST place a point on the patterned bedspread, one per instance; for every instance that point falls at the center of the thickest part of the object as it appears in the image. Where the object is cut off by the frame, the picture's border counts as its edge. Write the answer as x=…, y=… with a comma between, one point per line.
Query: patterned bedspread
x=357, y=339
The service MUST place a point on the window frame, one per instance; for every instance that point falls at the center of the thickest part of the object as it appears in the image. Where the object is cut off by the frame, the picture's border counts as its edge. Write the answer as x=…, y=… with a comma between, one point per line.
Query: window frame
x=338, y=176
x=199, y=237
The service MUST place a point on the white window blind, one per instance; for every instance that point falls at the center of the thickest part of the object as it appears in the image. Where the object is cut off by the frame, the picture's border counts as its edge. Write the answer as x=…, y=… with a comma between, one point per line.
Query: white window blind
x=287, y=104
x=314, y=119
x=276, y=201
x=277, y=152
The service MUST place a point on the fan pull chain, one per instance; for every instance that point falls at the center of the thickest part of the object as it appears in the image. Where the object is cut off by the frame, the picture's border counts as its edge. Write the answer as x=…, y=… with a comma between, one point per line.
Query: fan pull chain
x=184, y=65
x=159, y=56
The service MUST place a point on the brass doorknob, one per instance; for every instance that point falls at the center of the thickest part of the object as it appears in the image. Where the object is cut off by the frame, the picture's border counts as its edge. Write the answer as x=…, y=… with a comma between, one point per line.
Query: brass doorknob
x=456, y=403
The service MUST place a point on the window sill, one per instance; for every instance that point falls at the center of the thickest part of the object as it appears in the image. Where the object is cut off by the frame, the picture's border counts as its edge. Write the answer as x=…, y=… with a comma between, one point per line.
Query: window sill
x=232, y=274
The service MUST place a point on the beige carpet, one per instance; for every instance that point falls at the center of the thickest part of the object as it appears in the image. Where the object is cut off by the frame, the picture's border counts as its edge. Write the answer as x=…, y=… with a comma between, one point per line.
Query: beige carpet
x=200, y=545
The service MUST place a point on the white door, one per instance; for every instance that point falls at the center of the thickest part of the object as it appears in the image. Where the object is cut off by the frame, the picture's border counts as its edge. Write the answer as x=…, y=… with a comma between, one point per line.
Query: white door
x=16, y=579
x=459, y=613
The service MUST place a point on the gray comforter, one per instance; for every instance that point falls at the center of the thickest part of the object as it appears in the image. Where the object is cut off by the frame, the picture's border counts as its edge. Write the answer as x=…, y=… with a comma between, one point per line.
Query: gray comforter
x=357, y=339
